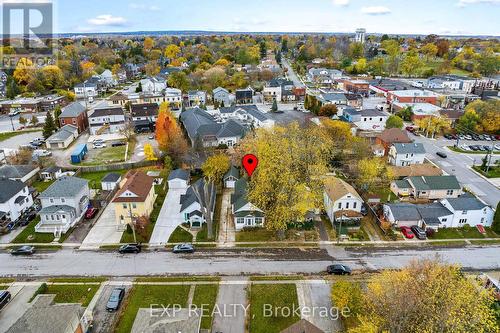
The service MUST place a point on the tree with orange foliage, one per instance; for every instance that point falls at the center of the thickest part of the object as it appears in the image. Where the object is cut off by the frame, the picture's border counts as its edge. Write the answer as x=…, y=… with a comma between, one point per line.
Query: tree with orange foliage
x=169, y=135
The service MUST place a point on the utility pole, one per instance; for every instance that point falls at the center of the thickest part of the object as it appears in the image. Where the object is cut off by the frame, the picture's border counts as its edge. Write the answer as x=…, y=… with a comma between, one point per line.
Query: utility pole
x=132, y=224
x=12, y=124
x=340, y=230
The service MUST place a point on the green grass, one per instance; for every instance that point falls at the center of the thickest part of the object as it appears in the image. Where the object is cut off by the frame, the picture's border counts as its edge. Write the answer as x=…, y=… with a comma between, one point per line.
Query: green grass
x=458, y=150
x=95, y=178
x=180, y=236
x=7, y=135
x=205, y=296
x=107, y=155
x=41, y=185
x=78, y=279
x=143, y=296
x=6, y=280
x=276, y=278
x=142, y=237
x=78, y=293
x=446, y=243
x=276, y=295
x=494, y=171
x=385, y=194
x=485, y=242
x=29, y=230
x=255, y=235
x=177, y=279
x=458, y=233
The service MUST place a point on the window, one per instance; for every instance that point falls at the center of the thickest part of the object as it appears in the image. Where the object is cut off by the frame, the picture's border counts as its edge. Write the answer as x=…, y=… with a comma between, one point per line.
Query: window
x=124, y=206
x=444, y=220
x=63, y=200
x=449, y=192
x=240, y=220
x=52, y=217
x=354, y=205
x=340, y=205
x=258, y=220
x=346, y=205
x=51, y=200
x=63, y=216
x=462, y=221
x=134, y=205
x=464, y=212
x=482, y=219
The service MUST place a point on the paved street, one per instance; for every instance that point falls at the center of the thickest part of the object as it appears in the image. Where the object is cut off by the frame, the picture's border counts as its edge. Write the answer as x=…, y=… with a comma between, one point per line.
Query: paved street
x=250, y=261
x=291, y=74
x=459, y=165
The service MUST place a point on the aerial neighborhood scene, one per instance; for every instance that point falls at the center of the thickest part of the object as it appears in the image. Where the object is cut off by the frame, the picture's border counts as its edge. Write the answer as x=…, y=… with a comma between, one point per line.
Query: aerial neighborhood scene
x=268, y=167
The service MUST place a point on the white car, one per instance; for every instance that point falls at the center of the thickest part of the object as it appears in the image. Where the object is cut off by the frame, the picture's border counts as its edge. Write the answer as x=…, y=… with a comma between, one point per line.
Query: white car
x=465, y=147
x=497, y=146
x=14, y=113
x=42, y=153
x=99, y=145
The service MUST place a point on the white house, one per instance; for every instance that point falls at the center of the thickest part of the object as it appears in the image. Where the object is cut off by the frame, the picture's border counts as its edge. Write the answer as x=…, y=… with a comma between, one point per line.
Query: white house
x=341, y=200
x=62, y=138
x=85, y=90
x=108, y=77
x=107, y=121
x=197, y=98
x=404, y=154
x=371, y=120
x=249, y=114
x=14, y=199
x=467, y=209
x=191, y=211
x=173, y=97
x=231, y=177
x=178, y=179
x=51, y=173
x=153, y=85
x=63, y=204
x=111, y=181
x=246, y=214
x=222, y=96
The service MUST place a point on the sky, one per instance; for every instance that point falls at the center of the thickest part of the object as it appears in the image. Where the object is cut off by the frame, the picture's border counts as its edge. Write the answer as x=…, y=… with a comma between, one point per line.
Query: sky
x=442, y=17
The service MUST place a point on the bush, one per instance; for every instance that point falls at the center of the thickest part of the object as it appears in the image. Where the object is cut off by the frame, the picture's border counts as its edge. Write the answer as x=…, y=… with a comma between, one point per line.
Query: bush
x=466, y=227
x=430, y=232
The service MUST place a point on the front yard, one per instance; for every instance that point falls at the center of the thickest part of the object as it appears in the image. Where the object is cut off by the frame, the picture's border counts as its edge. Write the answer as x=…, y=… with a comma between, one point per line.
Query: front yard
x=205, y=296
x=457, y=233
x=180, y=236
x=28, y=235
x=77, y=293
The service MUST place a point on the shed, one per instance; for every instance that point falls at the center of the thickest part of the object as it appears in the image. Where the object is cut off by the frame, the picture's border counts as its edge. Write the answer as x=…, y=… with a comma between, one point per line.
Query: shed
x=78, y=155
x=110, y=181
x=231, y=177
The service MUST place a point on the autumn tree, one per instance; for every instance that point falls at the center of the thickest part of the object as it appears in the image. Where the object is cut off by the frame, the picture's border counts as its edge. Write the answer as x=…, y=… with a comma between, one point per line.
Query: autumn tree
x=214, y=168
x=149, y=43
x=372, y=173
x=149, y=152
x=88, y=69
x=22, y=72
x=152, y=68
x=23, y=121
x=169, y=135
x=429, y=50
x=178, y=80
x=57, y=114
x=481, y=116
x=411, y=64
x=328, y=110
x=34, y=120
x=432, y=125
x=394, y=122
x=172, y=51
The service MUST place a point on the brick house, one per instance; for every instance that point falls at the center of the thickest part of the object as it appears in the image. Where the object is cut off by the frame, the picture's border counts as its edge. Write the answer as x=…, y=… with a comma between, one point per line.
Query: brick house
x=390, y=136
x=412, y=96
x=74, y=114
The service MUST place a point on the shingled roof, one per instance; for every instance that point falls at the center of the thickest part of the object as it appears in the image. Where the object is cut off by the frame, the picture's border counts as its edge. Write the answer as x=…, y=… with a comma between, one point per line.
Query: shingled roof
x=136, y=188
x=394, y=135
x=336, y=188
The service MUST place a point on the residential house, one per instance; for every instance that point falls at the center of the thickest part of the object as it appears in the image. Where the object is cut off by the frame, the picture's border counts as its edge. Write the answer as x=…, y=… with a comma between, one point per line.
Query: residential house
x=412, y=96
x=354, y=100
x=222, y=96
x=173, y=97
x=427, y=187
x=111, y=181
x=419, y=110
x=64, y=203
x=302, y=326
x=372, y=120
x=231, y=176
x=118, y=99
x=202, y=128
x=168, y=320
x=196, y=98
x=178, y=179
x=15, y=199
x=244, y=96
x=390, y=136
x=135, y=198
x=108, y=78
x=74, y=114
x=402, y=214
x=404, y=154
x=107, y=121
x=323, y=76
x=153, y=85
x=144, y=116
x=467, y=209
x=191, y=208
x=51, y=173
x=341, y=200
x=50, y=102
x=249, y=115
x=279, y=89
x=451, y=115
x=23, y=173
x=245, y=213
x=85, y=90
x=62, y=138
x=44, y=315
x=336, y=98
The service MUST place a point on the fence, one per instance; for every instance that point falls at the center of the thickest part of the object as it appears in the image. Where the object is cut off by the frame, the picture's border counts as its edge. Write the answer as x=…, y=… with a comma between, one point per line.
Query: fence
x=113, y=167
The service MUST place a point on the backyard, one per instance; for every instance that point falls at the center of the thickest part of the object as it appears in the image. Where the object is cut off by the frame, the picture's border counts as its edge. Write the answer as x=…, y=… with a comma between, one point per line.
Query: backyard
x=107, y=155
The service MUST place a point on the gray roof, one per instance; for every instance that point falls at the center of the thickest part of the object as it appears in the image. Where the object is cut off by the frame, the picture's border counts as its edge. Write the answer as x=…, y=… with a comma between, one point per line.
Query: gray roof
x=113, y=111
x=111, y=178
x=252, y=110
x=9, y=189
x=433, y=210
x=373, y=113
x=332, y=96
x=15, y=171
x=403, y=183
x=198, y=122
x=229, y=129
x=466, y=202
x=72, y=110
x=435, y=182
x=179, y=174
x=45, y=316
x=52, y=169
x=57, y=208
x=63, y=133
x=64, y=187
x=190, y=197
x=233, y=171
x=409, y=148
x=404, y=211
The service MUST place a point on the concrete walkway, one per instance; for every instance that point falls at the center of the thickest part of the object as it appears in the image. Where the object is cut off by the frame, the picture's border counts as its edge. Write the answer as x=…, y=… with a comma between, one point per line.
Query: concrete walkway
x=168, y=219
x=105, y=231
x=227, y=232
x=231, y=296
x=21, y=294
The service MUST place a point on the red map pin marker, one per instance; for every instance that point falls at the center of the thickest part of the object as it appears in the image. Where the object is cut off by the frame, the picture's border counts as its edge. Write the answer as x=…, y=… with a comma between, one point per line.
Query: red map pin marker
x=250, y=163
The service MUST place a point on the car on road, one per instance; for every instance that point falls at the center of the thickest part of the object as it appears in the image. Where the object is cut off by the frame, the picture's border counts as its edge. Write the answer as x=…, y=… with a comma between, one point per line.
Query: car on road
x=338, y=269
x=130, y=248
x=183, y=248
x=13, y=113
x=410, y=129
x=90, y=213
x=441, y=154
x=487, y=137
x=464, y=147
x=151, y=137
x=115, y=299
x=99, y=145
x=5, y=297
x=406, y=231
x=474, y=147
x=497, y=146
x=418, y=232
x=23, y=250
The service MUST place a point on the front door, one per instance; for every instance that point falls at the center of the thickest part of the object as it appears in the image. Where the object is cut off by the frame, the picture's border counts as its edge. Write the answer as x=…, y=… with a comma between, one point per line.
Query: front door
x=249, y=221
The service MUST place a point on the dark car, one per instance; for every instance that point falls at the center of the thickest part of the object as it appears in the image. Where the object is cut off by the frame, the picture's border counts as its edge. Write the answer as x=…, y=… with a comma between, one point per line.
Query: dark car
x=474, y=147
x=364, y=210
x=338, y=269
x=448, y=136
x=441, y=154
x=476, y=137
x=482, y=148
x=23, y=250
x=183, y=248
x=130, y=248
x=118, y=144
x=115, y=299
x=27, y=218
x=90, y=213
x=418, y=232
x=5, y=297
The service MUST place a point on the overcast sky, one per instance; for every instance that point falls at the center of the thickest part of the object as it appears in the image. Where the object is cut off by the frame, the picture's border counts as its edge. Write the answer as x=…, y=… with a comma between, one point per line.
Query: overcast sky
x=383, y=16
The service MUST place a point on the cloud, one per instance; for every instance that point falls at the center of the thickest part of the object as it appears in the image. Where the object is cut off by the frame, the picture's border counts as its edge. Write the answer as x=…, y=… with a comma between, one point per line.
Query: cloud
x=109, y=20
x=144, y=7
x=463, y=3
x=341, y=2
x=376, y=10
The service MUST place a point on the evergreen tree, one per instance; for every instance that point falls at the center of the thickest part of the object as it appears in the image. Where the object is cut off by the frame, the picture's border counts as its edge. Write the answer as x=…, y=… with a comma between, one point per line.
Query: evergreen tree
x=57, y=114
x=12, y=88
x=274, y=108
x=496, y=220
x=139, y=88
x=49, y=127
x=34, y=120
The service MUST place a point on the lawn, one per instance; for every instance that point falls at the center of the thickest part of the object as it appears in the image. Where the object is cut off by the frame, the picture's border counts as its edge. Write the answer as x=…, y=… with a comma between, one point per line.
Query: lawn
x=385, y=194
x=458, y=233
x=198, y=278
x=77, y=293
x=458, y=150
x=95, y=178
x=255, y=235
x=7, y=135
x=180, y=236
x=142, y=237
x=78, y=279
x=494, y=172
x=41, y=185
x=29, y=230
x=276, y=295
x=144, y=296
x=205, y=296
x=107, y=155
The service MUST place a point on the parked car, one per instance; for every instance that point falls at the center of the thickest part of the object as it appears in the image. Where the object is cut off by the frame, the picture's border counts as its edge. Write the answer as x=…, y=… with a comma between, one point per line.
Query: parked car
x=27, y=218
x=406, y=231
x=364, y=211
x=5, y=297
x=476, y=137
x=183, y=248
x=410, y=129
x=23, y=250
x=497, y=146
x=418, y=232
x=441, y=154
x=42, y=153
x=464, y=147
x=448, y=136
x=118, y=144
x=99, y=145
x=467, y=137
x=90, y=213
x=115, y=299
x=97, y=141
x=338, y=269
x=130, y=248
x=474, y=147
x=13, y=113
x=151, y=137
x=482, y=148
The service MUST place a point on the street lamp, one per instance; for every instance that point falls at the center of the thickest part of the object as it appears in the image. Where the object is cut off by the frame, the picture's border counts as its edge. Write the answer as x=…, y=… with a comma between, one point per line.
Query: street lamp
x=12, y=123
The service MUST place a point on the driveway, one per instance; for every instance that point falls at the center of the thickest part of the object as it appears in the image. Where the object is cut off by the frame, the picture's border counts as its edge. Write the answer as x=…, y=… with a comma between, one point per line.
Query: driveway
x=17, y=306
x=231, y=296
x=62, y=157
x=104, y=231
x=227, y=232
x=18, y=140
x=169, y=218
x=103, y=320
